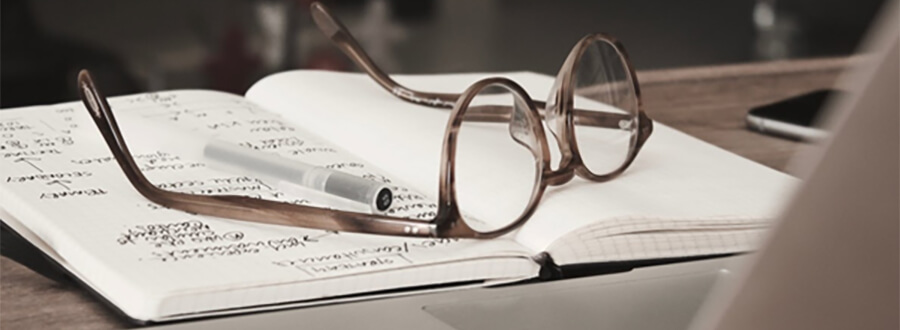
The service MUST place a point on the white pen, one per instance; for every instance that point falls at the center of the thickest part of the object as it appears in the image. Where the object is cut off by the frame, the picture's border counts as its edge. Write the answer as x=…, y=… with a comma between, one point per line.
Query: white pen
x=332, y=182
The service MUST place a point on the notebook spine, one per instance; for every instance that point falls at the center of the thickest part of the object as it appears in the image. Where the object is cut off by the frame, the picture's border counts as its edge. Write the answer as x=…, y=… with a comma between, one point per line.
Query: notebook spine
x=549, y=269
x=552, y=271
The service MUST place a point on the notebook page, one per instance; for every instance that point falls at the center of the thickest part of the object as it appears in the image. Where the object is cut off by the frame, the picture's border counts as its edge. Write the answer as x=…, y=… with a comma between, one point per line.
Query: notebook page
x=676, y=177
x=60, y=180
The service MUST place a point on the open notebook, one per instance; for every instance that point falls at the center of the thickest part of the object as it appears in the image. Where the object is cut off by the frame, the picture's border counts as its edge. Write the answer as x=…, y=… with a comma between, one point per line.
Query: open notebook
x=62, y=190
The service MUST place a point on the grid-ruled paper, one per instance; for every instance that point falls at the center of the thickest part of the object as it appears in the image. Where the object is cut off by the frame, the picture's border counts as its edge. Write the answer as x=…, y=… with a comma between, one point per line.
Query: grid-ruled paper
x=677, y=184
x=635, y=238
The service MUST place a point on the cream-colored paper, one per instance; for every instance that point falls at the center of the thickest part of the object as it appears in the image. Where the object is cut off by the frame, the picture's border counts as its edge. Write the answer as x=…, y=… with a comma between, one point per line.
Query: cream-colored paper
x=681, y=197
x=60, y=181
x=679, y=180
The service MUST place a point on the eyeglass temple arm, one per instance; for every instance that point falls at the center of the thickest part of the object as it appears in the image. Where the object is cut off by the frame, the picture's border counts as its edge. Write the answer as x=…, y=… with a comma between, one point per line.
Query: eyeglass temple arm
x=335, y=30
x=489, y=113
x=231, y=206
x=341, y=37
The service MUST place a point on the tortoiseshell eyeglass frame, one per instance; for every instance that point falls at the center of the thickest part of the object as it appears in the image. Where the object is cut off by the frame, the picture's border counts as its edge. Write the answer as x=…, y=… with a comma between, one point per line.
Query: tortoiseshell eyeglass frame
x=571, y=162
x=448, y=222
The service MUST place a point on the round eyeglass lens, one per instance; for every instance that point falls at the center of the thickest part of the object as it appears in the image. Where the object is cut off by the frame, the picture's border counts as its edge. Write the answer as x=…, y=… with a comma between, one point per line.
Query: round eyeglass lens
x=497, y=164
x=605, y=108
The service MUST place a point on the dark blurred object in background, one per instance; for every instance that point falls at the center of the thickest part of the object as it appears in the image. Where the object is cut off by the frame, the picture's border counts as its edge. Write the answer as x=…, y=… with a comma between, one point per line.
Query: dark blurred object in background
x=232, y=67
x=141, y=45
x=803, y=28
x=38, y=68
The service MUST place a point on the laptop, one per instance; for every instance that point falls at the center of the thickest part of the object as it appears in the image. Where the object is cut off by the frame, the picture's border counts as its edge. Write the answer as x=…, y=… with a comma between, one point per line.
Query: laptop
x=830, y=263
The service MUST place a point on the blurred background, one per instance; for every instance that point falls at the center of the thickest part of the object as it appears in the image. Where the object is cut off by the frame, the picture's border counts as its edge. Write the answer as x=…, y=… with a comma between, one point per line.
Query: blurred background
x=144, y=45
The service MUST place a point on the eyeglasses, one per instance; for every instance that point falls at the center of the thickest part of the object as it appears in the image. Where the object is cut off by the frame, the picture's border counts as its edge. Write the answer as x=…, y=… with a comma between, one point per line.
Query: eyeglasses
x=593, y=113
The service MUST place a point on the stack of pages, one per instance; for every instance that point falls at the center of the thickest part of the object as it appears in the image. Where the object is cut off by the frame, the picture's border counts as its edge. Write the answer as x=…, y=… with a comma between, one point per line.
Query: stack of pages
x=63, y=191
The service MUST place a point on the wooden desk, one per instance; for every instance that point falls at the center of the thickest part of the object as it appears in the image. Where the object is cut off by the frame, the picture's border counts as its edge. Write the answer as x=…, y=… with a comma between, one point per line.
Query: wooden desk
x=707, y=102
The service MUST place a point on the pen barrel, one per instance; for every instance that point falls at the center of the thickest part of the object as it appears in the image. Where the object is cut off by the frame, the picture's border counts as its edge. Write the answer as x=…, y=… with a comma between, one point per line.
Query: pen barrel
x=332, y=182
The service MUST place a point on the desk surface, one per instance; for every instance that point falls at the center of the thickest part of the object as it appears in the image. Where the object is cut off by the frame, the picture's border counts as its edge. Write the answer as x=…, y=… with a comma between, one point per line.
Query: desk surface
x=706, y=102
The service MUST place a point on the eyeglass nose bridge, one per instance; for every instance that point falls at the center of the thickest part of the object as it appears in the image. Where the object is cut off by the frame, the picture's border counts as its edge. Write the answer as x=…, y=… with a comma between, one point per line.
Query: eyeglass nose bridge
x=560, y=176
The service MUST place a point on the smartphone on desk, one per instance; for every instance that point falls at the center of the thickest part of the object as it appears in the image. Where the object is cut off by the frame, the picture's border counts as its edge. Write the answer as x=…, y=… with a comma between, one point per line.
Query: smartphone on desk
x=793, y=118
